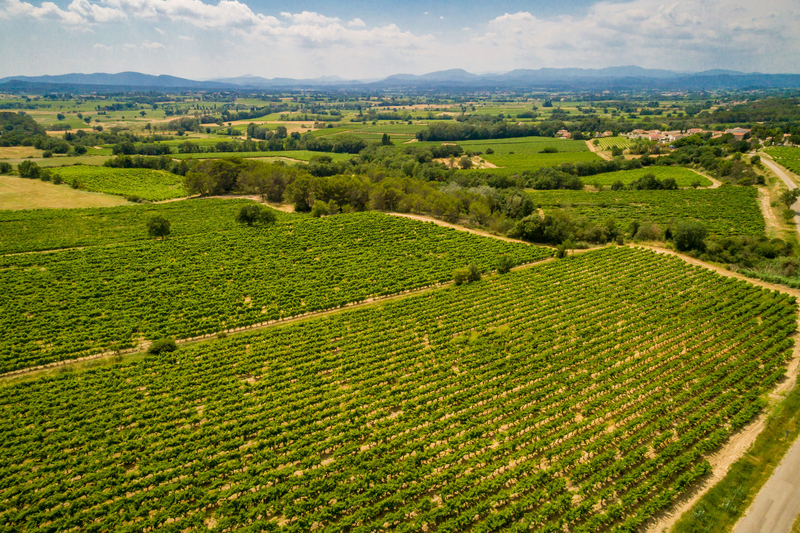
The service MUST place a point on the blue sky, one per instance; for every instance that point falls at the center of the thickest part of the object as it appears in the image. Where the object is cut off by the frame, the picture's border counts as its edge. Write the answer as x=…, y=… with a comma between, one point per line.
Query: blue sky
x=204, y=39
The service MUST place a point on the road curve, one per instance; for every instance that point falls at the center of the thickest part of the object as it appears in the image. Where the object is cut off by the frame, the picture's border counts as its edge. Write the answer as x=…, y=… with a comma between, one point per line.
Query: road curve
x=778, y=502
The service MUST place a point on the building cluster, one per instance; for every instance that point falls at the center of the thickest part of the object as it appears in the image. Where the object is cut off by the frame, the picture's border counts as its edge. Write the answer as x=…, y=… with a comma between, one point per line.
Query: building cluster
x=672, y=136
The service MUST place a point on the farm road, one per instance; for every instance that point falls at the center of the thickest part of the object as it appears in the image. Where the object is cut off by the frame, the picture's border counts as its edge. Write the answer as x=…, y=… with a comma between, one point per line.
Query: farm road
x=778, y=502
x=774, y=167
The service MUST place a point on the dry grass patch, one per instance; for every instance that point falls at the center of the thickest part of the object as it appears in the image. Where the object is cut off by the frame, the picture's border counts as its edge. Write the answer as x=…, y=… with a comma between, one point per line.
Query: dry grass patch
x=21, y=193
x=19, y=152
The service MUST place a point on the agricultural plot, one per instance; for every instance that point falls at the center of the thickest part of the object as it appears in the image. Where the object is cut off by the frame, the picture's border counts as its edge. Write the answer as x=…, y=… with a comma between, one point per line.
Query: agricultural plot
x=300, y=155
x=683, y=176
x=142, y=182
x=786, y=156
x=580, y=395
x=60, y=305
x=51, y=229
x=728, y=210
x=607, y=143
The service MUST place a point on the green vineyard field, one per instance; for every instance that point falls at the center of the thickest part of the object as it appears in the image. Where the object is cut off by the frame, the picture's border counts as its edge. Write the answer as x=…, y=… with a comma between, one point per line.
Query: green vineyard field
x=71, y=303
x=579, y=395
x=50, y=229
x=786, y=156
x=727, y=210
x=606, y=143
x=683, y=176
x=142, y=182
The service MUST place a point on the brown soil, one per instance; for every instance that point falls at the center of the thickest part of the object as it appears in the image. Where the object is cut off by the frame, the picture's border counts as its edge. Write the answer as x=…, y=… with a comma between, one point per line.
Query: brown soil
x=598, y=151
x=477, y=162
x=774, y=226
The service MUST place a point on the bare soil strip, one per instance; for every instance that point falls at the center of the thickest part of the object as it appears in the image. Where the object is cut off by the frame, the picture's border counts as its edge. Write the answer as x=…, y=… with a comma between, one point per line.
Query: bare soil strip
x=598, y=151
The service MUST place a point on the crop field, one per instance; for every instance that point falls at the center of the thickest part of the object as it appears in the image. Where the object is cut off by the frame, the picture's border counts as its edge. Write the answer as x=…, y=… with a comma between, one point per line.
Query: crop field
x=683, y=176
x=579, y=395
x=143, y=182
x=786, y=156
x=300, y=155
x=606, y=143
x=51, y=229
x=728, y=210
x=22, y=194
x=71, y=303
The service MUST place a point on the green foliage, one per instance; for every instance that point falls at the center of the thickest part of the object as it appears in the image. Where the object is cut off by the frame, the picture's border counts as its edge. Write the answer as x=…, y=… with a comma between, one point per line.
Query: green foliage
x=158, y=226
x=162, y=346
x=228, y=276
x=727, y=210
x=789, y=197
x=460, y=276
x=251, y=214
x=689, y=236
x=498, y=389
x=6, y=168
x=682, y=177
x=145, y=183
x=504, y=264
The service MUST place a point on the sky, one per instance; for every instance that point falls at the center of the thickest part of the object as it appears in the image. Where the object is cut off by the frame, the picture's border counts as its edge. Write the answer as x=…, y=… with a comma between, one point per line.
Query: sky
x=208, y=39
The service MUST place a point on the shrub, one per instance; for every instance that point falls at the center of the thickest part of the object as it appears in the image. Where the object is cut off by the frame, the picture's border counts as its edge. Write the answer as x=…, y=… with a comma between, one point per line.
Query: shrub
x=162, y=346
x=561, y=251
x=6, y=168
x=504, y=264
x=158, y=226
x=473, y=273
x=47, y=154
x=255, y=214
x=689, y=236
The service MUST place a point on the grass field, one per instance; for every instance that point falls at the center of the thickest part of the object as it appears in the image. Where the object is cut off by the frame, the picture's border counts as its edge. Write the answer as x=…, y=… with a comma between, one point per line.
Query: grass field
x=300, y=155
x=606, y=143
x=83, y=301
x=51, y=229
x=20, y=193
x=728, y=210
x=786, y=156
x=683, y=176
x=142, y=182
x=577, y=395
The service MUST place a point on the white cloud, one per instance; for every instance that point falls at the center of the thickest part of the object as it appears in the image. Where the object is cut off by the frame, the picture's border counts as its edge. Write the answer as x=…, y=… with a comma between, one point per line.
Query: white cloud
x=186, y=38
x=441, y=17
x=159, y=30
x=309, y=17
x=681, y=35
x=101, y=47
x=77, y=12
x=357, y=22
x=152, y=45
x=129, y=46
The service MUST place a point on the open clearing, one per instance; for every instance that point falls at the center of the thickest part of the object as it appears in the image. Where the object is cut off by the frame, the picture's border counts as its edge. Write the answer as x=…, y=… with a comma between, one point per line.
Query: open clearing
x=20, y=193
x=11, y=152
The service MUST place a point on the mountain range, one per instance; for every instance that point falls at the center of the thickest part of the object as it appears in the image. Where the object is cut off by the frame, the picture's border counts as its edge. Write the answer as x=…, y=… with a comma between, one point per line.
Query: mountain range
x=630, y=77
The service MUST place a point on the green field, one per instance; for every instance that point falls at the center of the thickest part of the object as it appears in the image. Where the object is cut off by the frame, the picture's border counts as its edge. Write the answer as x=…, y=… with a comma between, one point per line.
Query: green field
x=300, y=155
x=142, y=182
x=786, y=156
x=578, y=395
x=683, y=176
x=728, y=210
x=606, y=143
x=50, y=229
x=60, y=305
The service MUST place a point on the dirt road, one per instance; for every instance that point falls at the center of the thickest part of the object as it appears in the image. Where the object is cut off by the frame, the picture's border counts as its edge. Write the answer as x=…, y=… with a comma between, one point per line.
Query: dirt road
x=778, y=502
x=781, y=173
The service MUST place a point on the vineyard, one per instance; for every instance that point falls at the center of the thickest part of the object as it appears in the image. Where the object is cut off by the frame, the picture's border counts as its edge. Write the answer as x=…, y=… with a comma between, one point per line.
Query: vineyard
x=71, y=303
x=727, y=210
x=50, y=229
x=578, y=395
x=683, y=176
x=607, y=143
x=142, y=182
x=786, y=156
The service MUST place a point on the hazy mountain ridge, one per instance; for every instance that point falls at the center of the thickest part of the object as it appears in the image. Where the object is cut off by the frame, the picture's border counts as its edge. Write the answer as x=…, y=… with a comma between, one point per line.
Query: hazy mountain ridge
x=630, y=77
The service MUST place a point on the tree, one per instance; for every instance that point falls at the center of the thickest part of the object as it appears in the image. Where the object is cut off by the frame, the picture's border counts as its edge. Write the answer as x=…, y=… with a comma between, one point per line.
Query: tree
x=689, y=236
x=251, y=214
x=504, y=264
x=460, y=276
x=162, y=346
x=787, y=198
x=158, y=226
x=473, y=273
x=60, y=116
x=386, y=140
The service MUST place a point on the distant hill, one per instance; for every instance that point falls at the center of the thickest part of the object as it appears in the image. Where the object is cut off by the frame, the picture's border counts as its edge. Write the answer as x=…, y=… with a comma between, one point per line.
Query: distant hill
x=625, y=77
